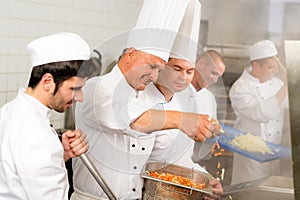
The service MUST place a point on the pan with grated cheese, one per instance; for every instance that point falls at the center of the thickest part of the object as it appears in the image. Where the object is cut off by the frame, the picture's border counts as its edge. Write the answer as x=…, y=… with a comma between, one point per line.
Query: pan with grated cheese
x=251, y=143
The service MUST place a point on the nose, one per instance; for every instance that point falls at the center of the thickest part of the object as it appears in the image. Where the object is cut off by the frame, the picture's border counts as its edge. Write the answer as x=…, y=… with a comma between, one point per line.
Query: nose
x=78, y=97
x=154, y=74
x=183, y=75
x=215, y=79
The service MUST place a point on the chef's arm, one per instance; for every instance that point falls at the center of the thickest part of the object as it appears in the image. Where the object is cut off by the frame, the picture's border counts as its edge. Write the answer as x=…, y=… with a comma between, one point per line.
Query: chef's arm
x=196, y=126
x=281, y=94
x=154, y=120
x=249, y=105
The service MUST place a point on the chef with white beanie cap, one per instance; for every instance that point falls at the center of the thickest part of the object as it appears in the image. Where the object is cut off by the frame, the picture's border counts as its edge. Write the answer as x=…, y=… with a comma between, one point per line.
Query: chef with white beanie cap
x=259, y=100
x=32, y=159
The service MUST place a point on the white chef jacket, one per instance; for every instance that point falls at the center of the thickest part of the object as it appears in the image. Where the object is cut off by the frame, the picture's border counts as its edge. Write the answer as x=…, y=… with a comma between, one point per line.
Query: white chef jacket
x=257, y=112
x=31, y=155
x=206, y=103
x=171, y=146
x=203, y=102
x=117, y=152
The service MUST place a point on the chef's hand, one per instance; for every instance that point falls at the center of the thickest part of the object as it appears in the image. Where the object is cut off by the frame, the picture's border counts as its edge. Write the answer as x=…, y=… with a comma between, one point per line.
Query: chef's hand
x=282, y=71
x=75, y=143
x=199, y=127
x=217, y=190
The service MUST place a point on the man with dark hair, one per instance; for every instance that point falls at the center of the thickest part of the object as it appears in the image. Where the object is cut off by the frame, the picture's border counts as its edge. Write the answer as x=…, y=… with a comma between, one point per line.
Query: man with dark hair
x=32, y=159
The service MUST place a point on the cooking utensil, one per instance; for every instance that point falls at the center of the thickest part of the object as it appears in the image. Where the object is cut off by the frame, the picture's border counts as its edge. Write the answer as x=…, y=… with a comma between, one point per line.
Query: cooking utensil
x=159, y=189
x=87, y=162
x=273, y=187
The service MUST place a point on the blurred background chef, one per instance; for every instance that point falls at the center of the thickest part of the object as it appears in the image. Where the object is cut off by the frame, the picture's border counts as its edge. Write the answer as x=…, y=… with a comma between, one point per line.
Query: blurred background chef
x=259, y=98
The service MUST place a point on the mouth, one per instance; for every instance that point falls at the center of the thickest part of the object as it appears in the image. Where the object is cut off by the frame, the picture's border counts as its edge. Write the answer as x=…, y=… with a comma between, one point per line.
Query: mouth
x=181, y=85
x=69, y=104
x=146, y=79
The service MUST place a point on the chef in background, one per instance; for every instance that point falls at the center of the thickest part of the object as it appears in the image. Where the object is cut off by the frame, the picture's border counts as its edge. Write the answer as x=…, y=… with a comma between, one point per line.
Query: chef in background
x=32, y=158
x=210, y=67
x=259, y=99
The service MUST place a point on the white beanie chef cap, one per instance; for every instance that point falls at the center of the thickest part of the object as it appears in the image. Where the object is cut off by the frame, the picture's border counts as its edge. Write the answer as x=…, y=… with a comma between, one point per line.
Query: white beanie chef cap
x=157, y=25
x=58, y=47
x=262, y=49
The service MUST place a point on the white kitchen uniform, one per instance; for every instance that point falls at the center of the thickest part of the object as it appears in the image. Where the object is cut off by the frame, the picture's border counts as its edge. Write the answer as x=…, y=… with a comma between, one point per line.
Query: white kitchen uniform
x=258, y=113
x=171, y=146
x=206, y=103
x=202, y=102
x=31, y=155
x=117, y=152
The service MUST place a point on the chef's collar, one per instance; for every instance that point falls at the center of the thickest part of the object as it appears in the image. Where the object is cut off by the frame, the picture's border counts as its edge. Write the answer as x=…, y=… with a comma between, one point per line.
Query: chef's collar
x=44, y=111
x=251, y=78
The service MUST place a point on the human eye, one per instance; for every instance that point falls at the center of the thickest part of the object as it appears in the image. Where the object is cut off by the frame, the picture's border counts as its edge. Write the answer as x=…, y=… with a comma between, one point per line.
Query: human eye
x=76, y=88
x=190, y=71
x=152, y=66
x=178, y=69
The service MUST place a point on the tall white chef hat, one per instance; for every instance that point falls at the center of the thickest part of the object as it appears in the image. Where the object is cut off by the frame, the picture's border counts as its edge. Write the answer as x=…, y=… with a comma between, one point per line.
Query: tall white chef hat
x=186, y=42
x=156, y=26
x=58, y=47
x=262, y=49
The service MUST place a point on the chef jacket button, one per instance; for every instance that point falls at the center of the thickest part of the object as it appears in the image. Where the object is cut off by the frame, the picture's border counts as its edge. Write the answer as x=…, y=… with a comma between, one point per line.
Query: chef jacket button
x=269, y=134
x=277, y=132
x=143, y=148
x=262, y=98
x=133, y=145
x=134, y=167
x=133, y=189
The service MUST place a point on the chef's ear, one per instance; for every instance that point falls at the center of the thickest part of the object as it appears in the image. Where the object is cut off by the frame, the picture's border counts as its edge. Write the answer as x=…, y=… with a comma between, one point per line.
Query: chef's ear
x=47, y=81
x=255, y=64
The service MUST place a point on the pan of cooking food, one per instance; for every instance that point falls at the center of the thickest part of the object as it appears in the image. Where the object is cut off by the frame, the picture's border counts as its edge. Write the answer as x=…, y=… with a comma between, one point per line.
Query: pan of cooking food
x=168, y=181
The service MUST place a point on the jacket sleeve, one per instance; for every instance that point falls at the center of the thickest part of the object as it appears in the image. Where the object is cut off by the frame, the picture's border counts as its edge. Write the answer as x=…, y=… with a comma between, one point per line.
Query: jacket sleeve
x=245, y=101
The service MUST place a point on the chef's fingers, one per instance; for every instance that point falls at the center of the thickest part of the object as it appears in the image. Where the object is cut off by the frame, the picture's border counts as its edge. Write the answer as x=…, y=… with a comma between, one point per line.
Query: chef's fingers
x=199, y=137
x=69, y=134
x=203, y=129
x=73, y=135
x=217, y=190
x=211, y=197
x=80, y=146
x=214, y=129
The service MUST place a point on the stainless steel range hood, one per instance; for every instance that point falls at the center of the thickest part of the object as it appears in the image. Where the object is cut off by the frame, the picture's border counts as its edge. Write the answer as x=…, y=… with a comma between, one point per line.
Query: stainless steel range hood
x=274, y=187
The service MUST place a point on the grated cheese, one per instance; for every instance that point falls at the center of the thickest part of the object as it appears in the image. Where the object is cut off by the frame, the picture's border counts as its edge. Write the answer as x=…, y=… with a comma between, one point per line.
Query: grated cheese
x=251, y=143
